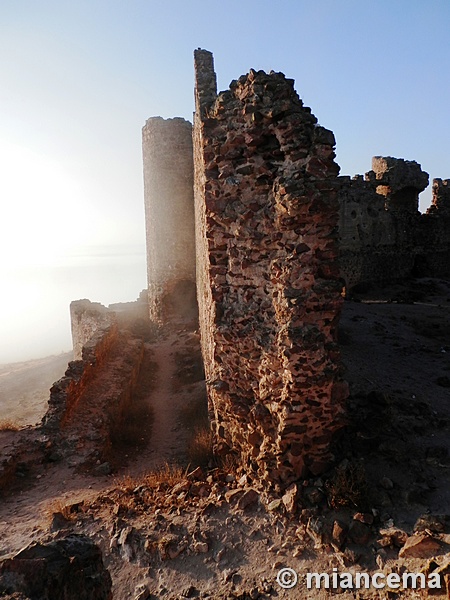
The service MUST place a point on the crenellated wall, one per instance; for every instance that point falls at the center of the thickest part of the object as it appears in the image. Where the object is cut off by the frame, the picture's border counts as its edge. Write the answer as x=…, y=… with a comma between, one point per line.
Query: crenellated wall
x=382, y=236
x=267, y=273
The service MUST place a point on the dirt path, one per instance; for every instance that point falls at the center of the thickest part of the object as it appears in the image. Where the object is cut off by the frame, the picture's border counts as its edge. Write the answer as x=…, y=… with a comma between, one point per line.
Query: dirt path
x=26, y=515
x=167, y=441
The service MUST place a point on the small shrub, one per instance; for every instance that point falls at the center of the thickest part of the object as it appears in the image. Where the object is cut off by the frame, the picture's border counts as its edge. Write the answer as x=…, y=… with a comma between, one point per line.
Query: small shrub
x=168, y=474
x=126, y=483
x=200, y=448
x=348, y=486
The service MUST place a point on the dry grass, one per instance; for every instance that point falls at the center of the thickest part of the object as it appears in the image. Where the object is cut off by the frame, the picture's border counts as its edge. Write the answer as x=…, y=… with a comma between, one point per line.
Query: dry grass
x=194, y=417
x=9, y=425
x=348, y=486
x=200, y=448
x=167, y=475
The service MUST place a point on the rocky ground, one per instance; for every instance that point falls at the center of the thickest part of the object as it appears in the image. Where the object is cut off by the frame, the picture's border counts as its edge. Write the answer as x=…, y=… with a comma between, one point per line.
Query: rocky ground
x=168, y=529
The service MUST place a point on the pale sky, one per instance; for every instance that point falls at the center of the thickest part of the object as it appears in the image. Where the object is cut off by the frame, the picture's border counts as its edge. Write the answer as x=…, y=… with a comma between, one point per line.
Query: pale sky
x=79, y=79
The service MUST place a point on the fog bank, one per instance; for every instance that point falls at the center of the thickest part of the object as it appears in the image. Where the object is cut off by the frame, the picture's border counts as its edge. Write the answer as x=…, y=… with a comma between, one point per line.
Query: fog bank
x=35, y=299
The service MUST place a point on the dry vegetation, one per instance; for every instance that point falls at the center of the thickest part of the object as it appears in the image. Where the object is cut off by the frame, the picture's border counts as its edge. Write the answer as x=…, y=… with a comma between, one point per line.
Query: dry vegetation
x=348, y=486
x=9, y=425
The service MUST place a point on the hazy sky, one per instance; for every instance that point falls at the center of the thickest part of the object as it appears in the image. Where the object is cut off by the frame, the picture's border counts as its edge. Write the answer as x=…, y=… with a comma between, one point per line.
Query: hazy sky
x=79, y=79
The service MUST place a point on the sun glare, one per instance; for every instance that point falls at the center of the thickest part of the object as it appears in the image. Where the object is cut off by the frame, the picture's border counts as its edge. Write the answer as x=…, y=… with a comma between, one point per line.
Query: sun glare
x=43, y=215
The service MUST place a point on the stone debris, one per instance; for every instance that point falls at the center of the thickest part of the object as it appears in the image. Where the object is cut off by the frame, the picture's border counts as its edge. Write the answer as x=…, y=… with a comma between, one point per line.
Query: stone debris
x=316, y=529
x=70, y=568
x=290, y=498
x=142, y=592
x=387, y=483
x=248, y=498
x=366, y=518
x=433, y=523
x=393, y=537
x=420, y=545
x=339, y=534
x=359, y=533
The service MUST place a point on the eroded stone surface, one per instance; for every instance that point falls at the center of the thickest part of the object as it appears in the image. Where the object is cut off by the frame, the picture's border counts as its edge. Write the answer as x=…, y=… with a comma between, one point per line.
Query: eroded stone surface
x=382, y=236
x=70, y=568
x=86, y=319
x=267, y=273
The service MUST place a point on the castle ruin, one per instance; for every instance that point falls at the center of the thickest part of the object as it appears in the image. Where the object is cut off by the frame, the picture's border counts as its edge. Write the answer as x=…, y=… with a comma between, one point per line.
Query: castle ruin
x=268, y=281
x=248, y=218
x=383, y=237
x=169, y=218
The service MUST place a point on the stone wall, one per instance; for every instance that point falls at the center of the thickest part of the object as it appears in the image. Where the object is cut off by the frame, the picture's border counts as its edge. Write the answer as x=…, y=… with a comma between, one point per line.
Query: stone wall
x=88, y=406
x=86, y=319
x=434, y=233
x=89, y=403
x=382, y=236
x=169, y=211
x=267, y=273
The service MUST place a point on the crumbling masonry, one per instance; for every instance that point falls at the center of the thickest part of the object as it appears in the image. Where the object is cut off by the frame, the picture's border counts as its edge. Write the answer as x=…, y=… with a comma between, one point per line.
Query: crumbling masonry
x=278, y=234
x=383, y=237
x=268, y=281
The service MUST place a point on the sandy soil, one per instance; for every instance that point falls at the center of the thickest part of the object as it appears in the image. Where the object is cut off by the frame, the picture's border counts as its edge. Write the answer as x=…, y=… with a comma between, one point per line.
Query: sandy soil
x=24, y=387
x=183, y=537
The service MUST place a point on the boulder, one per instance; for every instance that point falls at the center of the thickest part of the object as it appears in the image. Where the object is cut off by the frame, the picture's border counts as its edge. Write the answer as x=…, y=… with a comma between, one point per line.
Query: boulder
x=420, y=545
x=71, y=568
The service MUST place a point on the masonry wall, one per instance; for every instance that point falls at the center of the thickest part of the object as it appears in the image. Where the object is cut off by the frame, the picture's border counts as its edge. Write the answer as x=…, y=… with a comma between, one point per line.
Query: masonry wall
x=268, y=279
x=434, y=233
x=88, y=405
x=86, y=319
x=169, y=211
x=382, y=236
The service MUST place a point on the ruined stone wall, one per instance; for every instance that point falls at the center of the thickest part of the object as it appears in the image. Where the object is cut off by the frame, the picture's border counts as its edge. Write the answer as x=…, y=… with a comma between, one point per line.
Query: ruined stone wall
x=382, y=236
x=268, y=279
x=88, y=404
x=65, y=393
x=169, y=211
x=86, y=319
x=434, y=260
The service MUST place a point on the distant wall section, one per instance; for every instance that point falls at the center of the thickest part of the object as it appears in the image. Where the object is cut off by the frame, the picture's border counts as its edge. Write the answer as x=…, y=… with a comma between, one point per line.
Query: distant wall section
x=383, y=237
x=87, y=318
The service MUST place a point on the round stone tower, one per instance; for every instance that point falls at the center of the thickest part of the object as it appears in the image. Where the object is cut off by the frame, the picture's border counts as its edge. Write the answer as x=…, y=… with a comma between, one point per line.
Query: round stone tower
x=169, y=216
